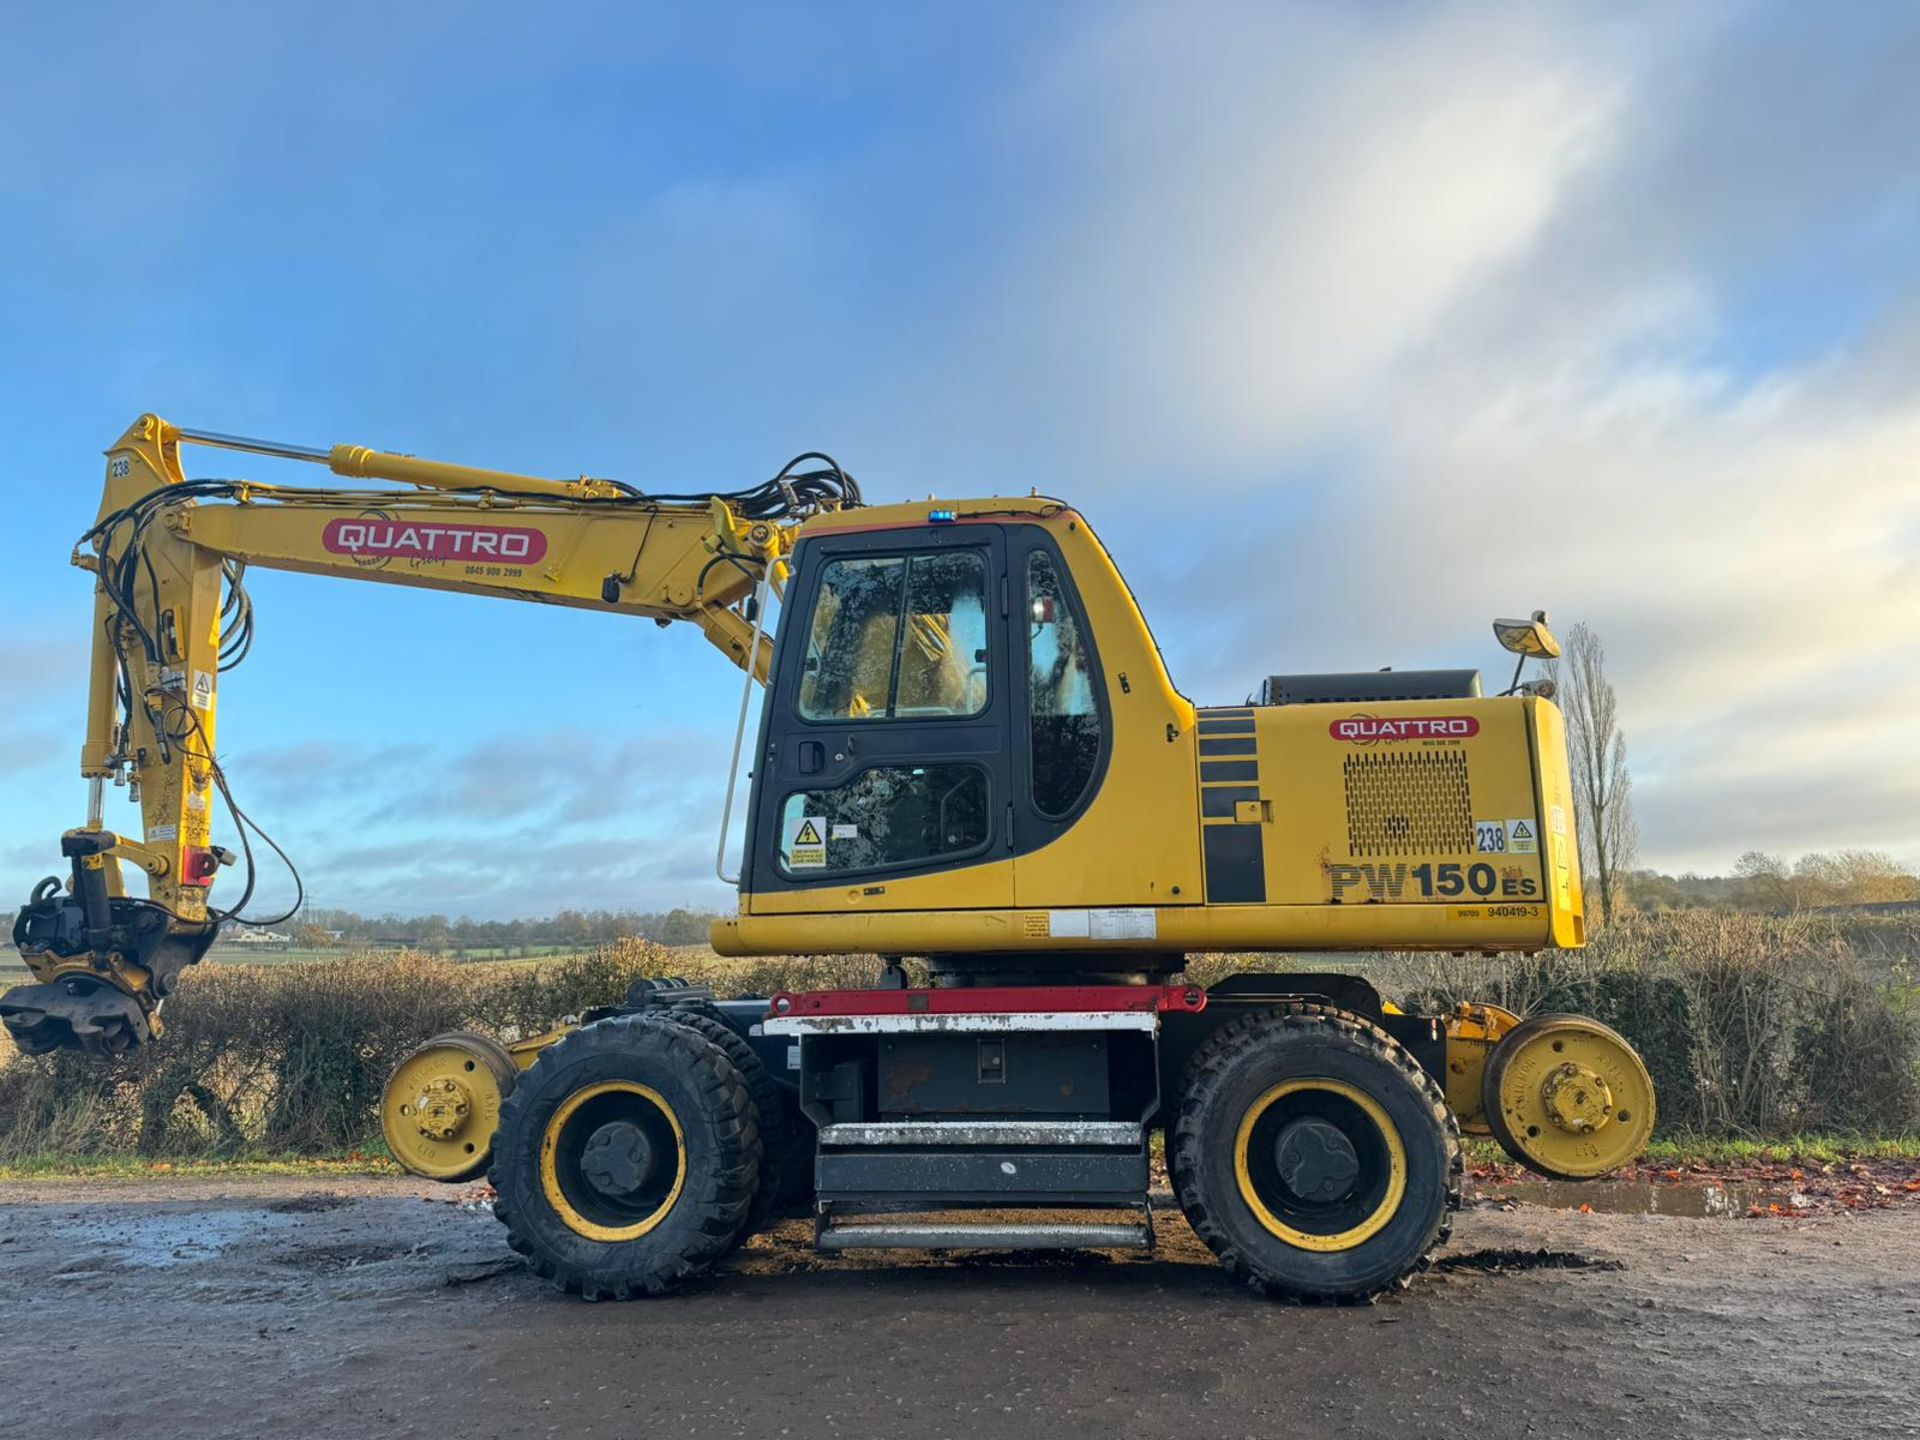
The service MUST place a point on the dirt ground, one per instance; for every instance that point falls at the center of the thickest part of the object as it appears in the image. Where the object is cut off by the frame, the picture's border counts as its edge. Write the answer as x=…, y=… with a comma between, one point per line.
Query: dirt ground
x=363, y=1308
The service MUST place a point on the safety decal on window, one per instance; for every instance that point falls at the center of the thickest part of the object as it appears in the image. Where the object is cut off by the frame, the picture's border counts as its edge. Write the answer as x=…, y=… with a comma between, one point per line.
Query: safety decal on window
x=807, y=845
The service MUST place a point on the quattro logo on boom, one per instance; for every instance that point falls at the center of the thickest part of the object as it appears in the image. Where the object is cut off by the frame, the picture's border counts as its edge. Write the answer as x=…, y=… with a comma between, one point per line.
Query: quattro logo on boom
x=376, y=538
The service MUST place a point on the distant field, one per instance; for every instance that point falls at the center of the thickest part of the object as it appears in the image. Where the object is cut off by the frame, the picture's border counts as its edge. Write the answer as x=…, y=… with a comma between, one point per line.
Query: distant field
x=12, y=971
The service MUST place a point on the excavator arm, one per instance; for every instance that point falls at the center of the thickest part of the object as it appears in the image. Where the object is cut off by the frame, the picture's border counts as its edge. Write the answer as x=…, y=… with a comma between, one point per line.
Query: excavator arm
x=171, y=613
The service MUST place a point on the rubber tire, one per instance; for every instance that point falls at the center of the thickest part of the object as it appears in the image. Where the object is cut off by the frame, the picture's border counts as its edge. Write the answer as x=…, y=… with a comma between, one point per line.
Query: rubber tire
x=786, y=1160
x=1239, y=1064
x=1494, y=1073
x=506, y=1075
x=722, y=1141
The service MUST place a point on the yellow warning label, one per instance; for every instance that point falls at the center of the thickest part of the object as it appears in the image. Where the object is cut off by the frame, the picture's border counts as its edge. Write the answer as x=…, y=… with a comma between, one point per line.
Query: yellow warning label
x=806, y=844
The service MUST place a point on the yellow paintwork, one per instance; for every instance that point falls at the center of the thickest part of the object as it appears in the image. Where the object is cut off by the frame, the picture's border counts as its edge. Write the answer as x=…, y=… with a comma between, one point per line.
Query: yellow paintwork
x=1472, y=1032
x=549, y=1171
x=1396, y=1167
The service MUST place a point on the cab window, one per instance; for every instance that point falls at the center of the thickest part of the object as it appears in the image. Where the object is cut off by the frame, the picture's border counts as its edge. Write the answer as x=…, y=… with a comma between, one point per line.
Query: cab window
x=900, y=637
x=1063, y=717
x=884, y=816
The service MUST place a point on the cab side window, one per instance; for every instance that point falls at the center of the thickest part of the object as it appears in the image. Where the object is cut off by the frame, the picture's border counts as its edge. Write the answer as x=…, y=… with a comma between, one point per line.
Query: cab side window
x=901, y=637
x=1063, y=717
x=887, y=815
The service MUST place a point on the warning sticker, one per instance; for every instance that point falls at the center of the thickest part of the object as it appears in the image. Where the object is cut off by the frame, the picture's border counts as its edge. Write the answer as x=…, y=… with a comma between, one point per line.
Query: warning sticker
x=164, y=832
x=842, y=831
x=1490, y=837
x=202, y=689
x=807, y=845
x=1523, y=837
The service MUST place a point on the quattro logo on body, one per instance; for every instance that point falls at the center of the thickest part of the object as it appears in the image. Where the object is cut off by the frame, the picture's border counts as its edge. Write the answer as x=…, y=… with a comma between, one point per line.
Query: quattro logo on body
x=1372, y=729
x=375, y=539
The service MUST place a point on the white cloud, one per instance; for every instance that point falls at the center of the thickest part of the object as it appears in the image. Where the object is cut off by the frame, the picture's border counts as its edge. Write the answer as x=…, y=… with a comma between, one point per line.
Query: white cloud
x=1420, y=322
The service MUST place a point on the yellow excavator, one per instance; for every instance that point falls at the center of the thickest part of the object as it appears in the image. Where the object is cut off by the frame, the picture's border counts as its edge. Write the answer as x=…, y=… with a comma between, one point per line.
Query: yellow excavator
x=969, y=754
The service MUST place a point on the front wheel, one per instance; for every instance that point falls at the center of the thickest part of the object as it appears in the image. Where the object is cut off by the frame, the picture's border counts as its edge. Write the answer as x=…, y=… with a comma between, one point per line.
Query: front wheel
x=627, y=1158
x=1314, y=1155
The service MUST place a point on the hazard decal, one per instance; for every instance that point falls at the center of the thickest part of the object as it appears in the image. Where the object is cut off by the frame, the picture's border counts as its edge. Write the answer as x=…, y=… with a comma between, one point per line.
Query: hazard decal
x=807, y=845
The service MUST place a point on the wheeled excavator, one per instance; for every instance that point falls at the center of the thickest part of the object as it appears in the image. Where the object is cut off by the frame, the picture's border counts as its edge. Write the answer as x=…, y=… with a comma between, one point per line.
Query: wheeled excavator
x=970, y=756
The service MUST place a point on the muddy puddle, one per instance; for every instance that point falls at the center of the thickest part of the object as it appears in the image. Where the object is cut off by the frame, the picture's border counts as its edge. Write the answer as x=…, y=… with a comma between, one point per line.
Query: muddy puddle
x=1614, y=1197
x=157, y=1242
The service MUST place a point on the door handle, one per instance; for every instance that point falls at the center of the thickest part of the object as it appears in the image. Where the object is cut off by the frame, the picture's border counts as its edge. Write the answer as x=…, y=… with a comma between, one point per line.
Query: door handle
x=813, y=757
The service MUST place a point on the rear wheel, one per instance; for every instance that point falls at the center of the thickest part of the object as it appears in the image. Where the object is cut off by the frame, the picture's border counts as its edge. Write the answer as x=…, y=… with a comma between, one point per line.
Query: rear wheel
x=627, y=1158
x=786, y=1157
x=1314, y=1155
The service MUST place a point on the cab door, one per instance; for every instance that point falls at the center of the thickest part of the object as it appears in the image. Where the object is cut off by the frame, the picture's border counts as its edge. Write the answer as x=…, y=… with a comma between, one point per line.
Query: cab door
x=885, y=776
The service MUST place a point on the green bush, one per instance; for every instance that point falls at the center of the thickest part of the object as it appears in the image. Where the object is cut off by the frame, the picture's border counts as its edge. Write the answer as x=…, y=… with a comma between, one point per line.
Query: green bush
x=1751, y=1025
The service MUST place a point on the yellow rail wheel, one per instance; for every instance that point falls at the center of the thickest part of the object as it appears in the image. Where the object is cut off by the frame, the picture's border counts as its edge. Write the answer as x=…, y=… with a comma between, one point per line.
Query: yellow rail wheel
x=1314, y=1155
x=441, y=1105
x=627, y=1159
x=1568, y=1097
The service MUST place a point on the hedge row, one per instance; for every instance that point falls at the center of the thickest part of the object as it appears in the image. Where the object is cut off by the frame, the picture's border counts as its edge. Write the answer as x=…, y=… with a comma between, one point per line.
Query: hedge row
x=1755, y=1026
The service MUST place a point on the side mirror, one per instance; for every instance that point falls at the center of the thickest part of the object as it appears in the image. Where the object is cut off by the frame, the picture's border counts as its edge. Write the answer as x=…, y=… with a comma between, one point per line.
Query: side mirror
x=1529, y=639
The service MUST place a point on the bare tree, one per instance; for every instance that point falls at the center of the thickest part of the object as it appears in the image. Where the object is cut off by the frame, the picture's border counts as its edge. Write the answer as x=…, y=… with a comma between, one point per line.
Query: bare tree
x=1602, y=786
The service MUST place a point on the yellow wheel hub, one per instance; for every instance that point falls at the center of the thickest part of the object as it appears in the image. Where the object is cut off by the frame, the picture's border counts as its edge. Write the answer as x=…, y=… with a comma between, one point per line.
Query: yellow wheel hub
x=1320, y=1163
x=1577, y=1099
x=1568, y=1097
x=441, y=1105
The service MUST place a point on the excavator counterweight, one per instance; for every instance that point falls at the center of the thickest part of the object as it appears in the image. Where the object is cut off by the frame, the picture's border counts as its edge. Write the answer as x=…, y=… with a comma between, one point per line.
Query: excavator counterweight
x=969, y=753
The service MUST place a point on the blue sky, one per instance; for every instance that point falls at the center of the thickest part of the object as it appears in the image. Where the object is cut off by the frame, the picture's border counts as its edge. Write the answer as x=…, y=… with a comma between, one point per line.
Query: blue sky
x=1349, y=326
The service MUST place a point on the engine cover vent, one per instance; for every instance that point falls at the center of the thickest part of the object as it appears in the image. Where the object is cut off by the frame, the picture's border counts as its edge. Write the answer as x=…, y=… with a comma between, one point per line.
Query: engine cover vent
x=1369, y=685
x=1409, y=804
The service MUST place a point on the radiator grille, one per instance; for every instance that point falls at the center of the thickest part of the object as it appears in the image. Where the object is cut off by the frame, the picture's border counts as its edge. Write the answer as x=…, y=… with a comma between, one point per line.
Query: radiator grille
x=1409, y=804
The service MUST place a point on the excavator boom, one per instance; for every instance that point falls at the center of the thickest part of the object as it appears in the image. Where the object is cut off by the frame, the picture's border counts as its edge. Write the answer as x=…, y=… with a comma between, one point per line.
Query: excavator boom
x=170, y=555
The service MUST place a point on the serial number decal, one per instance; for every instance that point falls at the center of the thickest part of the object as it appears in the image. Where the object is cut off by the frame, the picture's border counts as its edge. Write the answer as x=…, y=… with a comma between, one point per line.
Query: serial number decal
x=373, y=541
x=1495, y=912
x=1372, y=729
x=1446, y=881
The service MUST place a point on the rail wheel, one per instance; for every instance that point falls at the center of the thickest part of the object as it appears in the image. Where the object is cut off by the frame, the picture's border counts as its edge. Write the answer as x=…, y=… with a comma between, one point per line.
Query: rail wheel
x=1315, y=1156
x=627, y=1158
x=441, y=1105
x=1568, y=1097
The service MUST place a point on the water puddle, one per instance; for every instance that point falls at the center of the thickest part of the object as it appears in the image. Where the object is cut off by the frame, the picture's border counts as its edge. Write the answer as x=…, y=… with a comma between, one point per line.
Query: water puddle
x=160, y=1241
x=1712, y=1200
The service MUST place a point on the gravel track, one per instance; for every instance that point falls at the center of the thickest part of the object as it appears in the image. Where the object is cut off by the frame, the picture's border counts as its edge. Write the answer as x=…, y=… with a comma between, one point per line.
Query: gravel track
x=371, y=1307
